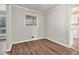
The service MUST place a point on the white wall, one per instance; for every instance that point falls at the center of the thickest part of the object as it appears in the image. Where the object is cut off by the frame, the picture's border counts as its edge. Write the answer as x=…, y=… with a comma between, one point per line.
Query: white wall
x=19, y=32
x=58, y=24
x=2, y=47
x=2, y=7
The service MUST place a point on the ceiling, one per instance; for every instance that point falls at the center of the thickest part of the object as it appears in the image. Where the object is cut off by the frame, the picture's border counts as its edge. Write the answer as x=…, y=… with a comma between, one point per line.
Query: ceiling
x=39, y=7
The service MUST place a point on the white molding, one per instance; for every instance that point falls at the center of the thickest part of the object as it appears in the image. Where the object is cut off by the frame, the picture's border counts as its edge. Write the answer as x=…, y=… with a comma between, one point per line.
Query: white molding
x=70, y=39
x=70, y=17
x=58, y=42
x=23, y=41
x=31, y=15
x=9, y=49
x=27, y=40
x=38, y=39
x=8, y=26
x=27, y=9
x=52, y=9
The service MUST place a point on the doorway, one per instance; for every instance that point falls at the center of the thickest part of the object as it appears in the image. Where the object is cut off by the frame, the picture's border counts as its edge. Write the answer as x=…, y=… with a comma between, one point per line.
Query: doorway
x=74, y=27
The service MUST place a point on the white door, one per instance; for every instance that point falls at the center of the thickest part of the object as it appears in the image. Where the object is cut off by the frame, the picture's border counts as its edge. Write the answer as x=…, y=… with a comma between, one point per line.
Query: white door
x=31, y=24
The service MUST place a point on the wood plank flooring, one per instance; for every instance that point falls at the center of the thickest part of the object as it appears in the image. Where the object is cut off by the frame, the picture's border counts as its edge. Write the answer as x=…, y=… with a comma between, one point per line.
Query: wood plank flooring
x=41, y=47
x=75, y=44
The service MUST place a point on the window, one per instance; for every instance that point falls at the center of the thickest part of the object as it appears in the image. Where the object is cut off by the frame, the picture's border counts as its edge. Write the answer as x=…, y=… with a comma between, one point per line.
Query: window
x=30, y=20
x=2, y=24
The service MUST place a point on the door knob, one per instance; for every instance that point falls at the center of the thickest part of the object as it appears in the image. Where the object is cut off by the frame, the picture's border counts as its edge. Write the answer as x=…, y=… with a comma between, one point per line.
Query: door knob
x=32, y=37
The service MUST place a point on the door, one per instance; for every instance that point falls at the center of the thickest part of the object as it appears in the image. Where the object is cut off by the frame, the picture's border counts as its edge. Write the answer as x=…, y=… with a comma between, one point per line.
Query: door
x=31, y=24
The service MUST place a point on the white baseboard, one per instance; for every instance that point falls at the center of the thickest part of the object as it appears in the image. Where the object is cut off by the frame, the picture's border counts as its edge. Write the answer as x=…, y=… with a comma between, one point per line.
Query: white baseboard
x=59, y=43
x=23, y=41
x=38, y=39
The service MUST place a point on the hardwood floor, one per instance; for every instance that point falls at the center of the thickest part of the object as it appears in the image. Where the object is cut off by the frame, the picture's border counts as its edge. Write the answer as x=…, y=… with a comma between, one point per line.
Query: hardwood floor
x=75, y=44
x=41, y=47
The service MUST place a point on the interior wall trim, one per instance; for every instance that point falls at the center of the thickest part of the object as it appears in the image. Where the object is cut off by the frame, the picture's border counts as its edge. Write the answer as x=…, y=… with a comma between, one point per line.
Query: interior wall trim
x=27, y=9
x=22, y=41
x=58, y=42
